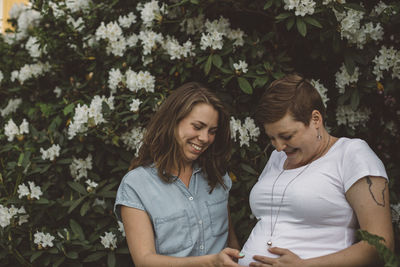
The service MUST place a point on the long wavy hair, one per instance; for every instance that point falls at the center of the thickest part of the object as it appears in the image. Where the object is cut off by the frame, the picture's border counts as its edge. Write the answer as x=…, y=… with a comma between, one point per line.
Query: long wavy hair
x=160, y=144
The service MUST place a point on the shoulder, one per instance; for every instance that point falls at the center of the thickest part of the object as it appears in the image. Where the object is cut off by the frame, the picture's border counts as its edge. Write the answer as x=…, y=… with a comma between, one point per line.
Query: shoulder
x=354, y=146
x=139, y=176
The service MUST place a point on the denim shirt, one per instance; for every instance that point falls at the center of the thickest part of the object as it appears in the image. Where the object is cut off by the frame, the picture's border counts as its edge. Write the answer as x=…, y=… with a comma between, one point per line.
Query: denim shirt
x=187, y=221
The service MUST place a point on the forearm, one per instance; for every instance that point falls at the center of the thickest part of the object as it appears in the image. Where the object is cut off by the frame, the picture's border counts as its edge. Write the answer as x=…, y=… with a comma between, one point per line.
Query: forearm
x=156, y=260
x=359, y=254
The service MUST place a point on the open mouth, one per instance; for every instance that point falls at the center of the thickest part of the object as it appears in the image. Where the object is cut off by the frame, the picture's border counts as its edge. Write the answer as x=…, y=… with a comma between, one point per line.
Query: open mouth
x=196, y=147
x=291, y=152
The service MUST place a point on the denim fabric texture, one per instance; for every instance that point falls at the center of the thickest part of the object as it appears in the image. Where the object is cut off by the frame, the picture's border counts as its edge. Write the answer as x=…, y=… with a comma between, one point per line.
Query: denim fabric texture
x=186, y=221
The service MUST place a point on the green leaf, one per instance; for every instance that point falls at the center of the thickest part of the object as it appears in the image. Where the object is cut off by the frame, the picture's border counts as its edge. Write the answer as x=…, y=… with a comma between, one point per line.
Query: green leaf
x=77, y=229
x=75, y=204
x=85, y=207
x=207, y=66
x=301, y=26
x=95, y=256
x=349, y=63
x=109, y=194
x=290, y=23
x=111, y=259
x=68, y=109
x=20, y=159
x=283, y=16
x=268, y=4
x=77, y=187
x=36, y=255
x=260, y=81
x=312, y=21
x=245, y=85
x=196, y=2
x=355, y=7
x=217, y=60
x=355, y=100
x=248, y=168
x=59, y=261
x=72, y=255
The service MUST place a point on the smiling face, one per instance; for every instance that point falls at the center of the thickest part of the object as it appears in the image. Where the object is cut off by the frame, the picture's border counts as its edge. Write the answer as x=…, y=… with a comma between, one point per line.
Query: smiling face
x=297, y=140
x=196, y=132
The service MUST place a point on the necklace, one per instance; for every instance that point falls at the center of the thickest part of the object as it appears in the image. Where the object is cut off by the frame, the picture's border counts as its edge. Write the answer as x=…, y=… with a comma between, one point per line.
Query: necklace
x=269, y=243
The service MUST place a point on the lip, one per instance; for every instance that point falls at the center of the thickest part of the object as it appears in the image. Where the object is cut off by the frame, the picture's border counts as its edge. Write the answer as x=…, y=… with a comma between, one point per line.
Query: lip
x=194, y=147
x=291, y=152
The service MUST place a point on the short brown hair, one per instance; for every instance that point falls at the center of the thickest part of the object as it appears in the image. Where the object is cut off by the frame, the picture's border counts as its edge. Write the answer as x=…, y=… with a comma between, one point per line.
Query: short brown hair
x=292, y=94
x=160, y=145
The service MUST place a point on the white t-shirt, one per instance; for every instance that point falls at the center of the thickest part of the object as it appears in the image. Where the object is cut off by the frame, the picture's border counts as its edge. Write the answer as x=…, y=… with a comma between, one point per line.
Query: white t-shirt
x=315, y=218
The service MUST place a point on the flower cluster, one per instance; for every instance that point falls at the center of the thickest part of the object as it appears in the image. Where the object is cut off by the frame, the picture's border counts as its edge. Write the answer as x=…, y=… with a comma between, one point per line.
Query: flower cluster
x=121, y=228
x=322, y=90
x=193, y=25
x=345, y=115
x=51, y=153
x=149, y=40
x=246, y=132
x=29, y=71
x=301, y=7
x=26, y=18
x=140, y=80
x=177, y=51
x=32, y=192
x=215, y=32
x=389, y=59
x=43, y=240
x=352, y=29
x=11, y=107
x=33, y=47
x=6, y=215
x=112, y=32
x=151, y=11
x=343, y=78
x=395, y=212
x=91, y=185
x=89, y=116
x=109, y=240
x=80, y=167
x=1, y=76
x=133, y=139
x=240, y=67
x=78, y=5
x=127, y=21
x=11, y=129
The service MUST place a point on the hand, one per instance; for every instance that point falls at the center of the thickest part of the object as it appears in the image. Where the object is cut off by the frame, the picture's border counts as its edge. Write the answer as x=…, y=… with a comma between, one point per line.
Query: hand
x=286, y=259
x=227, y=258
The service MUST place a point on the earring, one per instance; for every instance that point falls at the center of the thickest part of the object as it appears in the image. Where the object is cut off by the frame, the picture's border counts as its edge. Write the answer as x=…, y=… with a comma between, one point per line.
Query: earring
x=319, y=136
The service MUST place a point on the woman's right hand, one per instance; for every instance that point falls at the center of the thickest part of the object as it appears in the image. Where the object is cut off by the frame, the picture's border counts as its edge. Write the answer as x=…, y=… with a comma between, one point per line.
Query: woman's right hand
x=228, y=257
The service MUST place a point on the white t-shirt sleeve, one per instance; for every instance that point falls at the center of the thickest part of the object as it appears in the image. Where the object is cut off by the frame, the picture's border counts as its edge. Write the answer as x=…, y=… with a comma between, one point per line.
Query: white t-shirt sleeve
x=360, y=161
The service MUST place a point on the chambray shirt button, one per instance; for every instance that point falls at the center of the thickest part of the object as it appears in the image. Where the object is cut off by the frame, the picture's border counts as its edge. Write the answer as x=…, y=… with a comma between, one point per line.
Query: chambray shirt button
x=201, y=247
x=200, y=222
x=190, y=198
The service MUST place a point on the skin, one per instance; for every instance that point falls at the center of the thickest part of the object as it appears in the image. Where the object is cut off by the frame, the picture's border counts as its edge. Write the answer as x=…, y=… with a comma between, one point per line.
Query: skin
x=369, y=197
x=196, y=132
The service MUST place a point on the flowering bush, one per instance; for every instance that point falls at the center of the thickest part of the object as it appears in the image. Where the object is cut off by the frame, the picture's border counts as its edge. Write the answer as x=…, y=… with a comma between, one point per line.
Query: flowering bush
x=79, y=80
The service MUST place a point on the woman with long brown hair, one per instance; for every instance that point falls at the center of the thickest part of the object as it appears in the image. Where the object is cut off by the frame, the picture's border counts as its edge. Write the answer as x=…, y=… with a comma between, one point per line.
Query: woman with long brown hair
x=174, y=200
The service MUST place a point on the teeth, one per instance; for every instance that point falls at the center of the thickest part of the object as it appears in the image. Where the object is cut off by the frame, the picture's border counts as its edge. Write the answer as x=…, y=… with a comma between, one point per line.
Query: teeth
x=196, y=147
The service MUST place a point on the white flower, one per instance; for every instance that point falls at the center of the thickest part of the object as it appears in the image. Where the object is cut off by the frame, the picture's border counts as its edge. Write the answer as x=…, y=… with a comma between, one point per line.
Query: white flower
x=115, y=77
x=91, y=185
x=301, y=7
x=109, y=240
x=388, y=59
x=27, y=18
x=151, y=11
x=5, y=216
x=11, y=107
x=379, y=8
x=246, y=132
x=43, y=240
x=322, y=90
x=78, y=5
x=32, y=192
x=236, y=35
x=133, y=139
x=99, y=202
x=345, y=115
x=1, y=76
x=33, y=47
x=213, y=40
x=111, y=32
x=132, y=40
x=121, y=228
x=241, y=66
x=79, y=167
x=29, y=71
x=149, y=40
x=141, y=80
x=11, y=129
x=127, y=21
x=343, y=78
x=57, y=11
x=177, y=51
x=193, y=25
x=51, y=153
x=134, y=107
x=57, y=91
x=77, y=24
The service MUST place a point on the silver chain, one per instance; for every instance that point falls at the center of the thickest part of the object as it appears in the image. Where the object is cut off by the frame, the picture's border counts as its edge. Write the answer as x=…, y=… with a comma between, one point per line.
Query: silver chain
x=269, y=243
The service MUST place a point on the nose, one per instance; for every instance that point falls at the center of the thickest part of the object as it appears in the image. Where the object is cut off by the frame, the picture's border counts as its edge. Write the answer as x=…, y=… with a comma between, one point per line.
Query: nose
x=203, y=136
x=279, y=146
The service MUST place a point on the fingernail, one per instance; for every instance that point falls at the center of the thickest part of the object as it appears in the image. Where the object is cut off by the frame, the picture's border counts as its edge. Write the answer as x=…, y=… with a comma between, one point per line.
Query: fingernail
x=241, y=254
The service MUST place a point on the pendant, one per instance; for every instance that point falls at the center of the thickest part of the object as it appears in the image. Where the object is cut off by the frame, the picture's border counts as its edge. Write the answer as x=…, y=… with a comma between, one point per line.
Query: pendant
x=269, y=243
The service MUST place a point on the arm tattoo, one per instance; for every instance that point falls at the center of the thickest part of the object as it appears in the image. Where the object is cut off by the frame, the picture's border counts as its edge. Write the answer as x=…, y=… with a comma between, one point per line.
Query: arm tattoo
x=369, y=182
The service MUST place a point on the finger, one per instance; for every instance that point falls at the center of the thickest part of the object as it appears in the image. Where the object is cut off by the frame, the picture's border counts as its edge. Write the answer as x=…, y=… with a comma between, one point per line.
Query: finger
x=259, y=264
x=264, y=259
x=233, y=253
x=278, y=251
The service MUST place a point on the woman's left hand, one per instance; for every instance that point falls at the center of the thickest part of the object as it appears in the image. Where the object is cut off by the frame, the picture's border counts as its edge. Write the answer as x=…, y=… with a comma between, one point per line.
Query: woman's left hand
x=286, y=259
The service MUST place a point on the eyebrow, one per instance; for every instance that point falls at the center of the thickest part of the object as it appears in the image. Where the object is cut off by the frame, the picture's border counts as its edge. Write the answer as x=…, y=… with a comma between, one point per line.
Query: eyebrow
x=284, y=133
x=203, y=124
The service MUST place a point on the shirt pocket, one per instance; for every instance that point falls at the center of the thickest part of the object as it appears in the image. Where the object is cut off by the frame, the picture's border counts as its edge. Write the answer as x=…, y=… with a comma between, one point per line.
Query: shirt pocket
x=172, y=233
x=218, y=213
